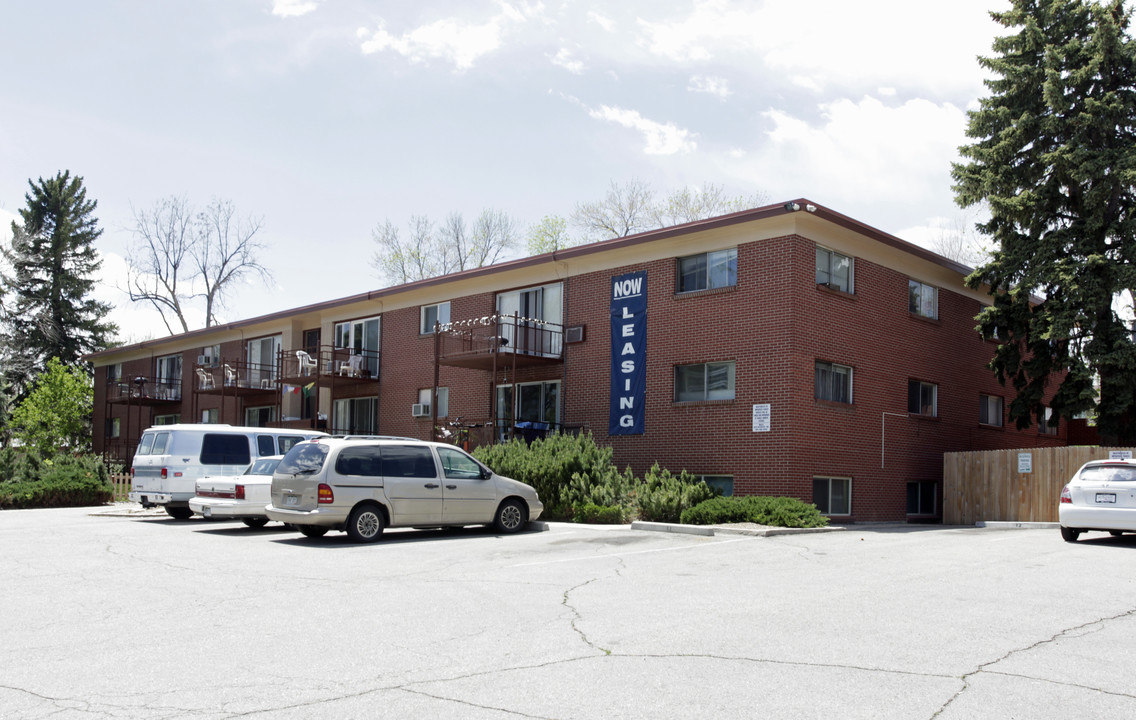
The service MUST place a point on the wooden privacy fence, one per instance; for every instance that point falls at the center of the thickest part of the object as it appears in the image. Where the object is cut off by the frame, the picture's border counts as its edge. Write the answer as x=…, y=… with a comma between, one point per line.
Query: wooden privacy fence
x=987, y=485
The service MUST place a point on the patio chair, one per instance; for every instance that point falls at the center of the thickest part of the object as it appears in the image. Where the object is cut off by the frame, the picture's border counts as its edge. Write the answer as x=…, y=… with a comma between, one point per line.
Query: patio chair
x=230, y=375
x=352, y=367
x=305, y=362
x=204, y=380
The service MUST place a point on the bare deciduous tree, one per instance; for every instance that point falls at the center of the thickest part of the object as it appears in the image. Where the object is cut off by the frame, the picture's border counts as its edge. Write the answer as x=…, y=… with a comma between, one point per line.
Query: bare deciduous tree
x=181, y=255
x=432, y=250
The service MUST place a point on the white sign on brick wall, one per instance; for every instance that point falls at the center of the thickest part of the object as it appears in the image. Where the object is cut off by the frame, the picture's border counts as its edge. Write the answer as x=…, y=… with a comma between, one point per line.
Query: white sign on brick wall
x=762, y=418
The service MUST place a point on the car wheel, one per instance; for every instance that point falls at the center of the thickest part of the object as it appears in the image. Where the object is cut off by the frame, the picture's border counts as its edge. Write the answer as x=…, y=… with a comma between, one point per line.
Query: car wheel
x=313, y=531
x=365, y=524
x=1069, y=534
x=256, y=522
x=1116, y=533
x=179, y=513
x=511, y=516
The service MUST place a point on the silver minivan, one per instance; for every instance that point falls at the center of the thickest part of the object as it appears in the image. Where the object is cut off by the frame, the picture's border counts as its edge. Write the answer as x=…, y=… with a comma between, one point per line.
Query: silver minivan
x=363, y=485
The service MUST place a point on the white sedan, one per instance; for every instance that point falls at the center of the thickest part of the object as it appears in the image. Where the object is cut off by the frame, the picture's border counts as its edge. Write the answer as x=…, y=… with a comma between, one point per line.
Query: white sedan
x=1101, y=496
x=235, y=497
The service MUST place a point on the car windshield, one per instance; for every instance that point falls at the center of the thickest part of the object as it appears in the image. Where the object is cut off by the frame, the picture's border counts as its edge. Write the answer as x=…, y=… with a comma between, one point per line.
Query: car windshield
x=303, y=459
x=263, y=466
x=1109, y=473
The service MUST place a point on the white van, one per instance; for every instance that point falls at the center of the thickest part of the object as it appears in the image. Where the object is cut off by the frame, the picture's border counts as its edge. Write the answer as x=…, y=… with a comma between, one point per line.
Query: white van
x=171, y=458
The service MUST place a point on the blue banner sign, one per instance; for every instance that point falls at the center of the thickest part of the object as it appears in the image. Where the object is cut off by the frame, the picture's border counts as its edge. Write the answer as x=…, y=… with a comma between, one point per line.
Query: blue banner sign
x=628, y=353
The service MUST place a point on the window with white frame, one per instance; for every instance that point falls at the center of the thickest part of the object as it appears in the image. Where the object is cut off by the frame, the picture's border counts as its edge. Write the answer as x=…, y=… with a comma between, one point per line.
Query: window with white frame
x=1048, y=424
x=424, y=398
x=832, y=382
x=172, y=419
x=990, y=410
x=431, y=314
x=167, y=369
x=535, y=402
x=211, y=355
x=211, y=415
x=114, y=372
x=359, y=337
x=262, y=357
x=833, y=495
x=922, y=398
x=532, y=318
x=922, y=299
x=113, y=427
x=833, y=270
x=355, y=416
x=704, y=271
x=704, y=381
x=260, y=416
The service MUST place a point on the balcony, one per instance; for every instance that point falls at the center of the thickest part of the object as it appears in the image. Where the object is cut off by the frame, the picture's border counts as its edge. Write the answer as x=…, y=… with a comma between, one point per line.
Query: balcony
x=498, y=341
x=236, y=378
x=329, y=367
x=144, y=390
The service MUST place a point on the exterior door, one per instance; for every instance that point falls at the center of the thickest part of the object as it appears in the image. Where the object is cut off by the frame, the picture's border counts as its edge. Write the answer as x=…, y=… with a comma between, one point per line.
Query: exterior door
x=412, y=485
x=466, y=496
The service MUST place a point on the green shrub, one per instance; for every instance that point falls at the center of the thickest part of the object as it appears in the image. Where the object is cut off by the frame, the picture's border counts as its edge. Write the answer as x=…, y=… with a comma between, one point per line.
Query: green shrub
x=774, y=511
x=567, y=471
x=662, y=497
x=61, y=481
x=598, y=514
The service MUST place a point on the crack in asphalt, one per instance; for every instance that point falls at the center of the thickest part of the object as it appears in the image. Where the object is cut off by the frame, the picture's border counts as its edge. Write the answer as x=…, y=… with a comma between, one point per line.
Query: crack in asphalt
x=578, y=617
x=981, y=669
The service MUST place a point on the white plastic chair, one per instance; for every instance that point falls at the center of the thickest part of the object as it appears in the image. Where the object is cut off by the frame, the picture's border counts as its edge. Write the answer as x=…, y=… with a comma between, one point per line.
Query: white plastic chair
x=305, y=361
x=205, y=380
x=230, y=375
x=351, y=367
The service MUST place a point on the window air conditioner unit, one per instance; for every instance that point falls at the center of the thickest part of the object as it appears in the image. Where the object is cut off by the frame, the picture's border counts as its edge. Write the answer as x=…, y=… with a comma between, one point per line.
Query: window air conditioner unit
x=420, y=410
x=205, y=360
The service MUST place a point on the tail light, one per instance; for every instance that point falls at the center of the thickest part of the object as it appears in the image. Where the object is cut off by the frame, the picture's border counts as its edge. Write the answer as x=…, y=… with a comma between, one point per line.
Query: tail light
x=1066, y=496
x=326, y=496
x=165, y=473
x=240, y=492
x=131, y=471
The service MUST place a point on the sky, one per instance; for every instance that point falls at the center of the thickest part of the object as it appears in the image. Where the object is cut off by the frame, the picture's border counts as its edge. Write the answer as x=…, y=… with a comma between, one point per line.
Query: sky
x=325, y=118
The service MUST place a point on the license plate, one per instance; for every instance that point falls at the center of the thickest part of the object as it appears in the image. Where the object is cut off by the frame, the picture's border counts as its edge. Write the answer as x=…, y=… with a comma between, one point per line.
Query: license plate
x=1106, y=497
x=295, y=500
x=207, y=512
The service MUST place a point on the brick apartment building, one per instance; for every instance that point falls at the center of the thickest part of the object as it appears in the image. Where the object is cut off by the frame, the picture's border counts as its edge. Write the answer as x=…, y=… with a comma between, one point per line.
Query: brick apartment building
x=785, y=350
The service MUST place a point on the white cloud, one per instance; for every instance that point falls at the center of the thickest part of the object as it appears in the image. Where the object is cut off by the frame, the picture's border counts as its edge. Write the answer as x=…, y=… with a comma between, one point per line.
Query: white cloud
x=293, y=8
x=564, y=59
x=449, y=39
x=865, y=154
x=709, y=85
x=661, y=139
x=602, y=20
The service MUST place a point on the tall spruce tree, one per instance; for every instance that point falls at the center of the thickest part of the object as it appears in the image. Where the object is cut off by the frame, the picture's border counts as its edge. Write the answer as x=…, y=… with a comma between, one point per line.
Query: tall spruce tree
x=50, y=312
x=1054, y=159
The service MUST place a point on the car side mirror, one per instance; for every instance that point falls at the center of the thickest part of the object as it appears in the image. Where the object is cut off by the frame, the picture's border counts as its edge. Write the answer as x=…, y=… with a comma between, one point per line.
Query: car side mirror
x=486, y=473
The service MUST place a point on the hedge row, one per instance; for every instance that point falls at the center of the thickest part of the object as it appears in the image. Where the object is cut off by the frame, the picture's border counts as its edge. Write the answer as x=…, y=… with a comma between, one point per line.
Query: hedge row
x=29, y=481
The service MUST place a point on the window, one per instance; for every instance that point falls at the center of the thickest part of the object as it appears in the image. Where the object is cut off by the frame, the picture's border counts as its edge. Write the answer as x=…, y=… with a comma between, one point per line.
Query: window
x=921, y=299
x=355, y=416
x=833, y=383
x=541, y=315
x=213, y=352
x=260, y=416
x=708, y=270
x=537, y=402
x=705, y=381
x=921, y=497
x=431, y=314
x=262, y=356
x=211, y=415
x=173, y=419
x=990, y=410
x=724, y=484
x=1048, y=424
x=361, y=337
x=287, y=442
x=362, y=461
x=922, y=398
x=167, y=370
x=408, y=461
x=443, y=400
x=113, y=427
x=114, y=372
x=161, y=441
x=265, y=445
x=834, y=270
x=456, y=464
x=833, y=496
x=225, y=449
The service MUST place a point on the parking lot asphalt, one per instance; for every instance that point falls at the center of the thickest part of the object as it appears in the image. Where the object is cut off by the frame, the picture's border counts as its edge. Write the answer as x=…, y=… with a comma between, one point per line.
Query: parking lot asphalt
x=142, y=616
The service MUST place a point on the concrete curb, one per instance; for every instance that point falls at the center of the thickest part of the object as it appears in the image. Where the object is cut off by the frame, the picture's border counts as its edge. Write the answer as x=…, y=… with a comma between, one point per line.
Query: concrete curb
x=1010, y=525
x=711, y=530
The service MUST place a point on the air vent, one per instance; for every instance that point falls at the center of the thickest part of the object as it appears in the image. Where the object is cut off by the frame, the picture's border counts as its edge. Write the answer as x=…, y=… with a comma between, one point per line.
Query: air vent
x=574, y=334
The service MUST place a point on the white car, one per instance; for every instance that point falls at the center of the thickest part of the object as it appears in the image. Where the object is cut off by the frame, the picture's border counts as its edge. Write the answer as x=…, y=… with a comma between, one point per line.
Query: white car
x=238, y=496
x=1101, y=496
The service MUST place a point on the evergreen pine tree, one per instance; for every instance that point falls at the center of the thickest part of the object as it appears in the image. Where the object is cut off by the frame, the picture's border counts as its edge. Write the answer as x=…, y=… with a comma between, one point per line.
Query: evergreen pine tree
x=1054, y=159
x=53, y=260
